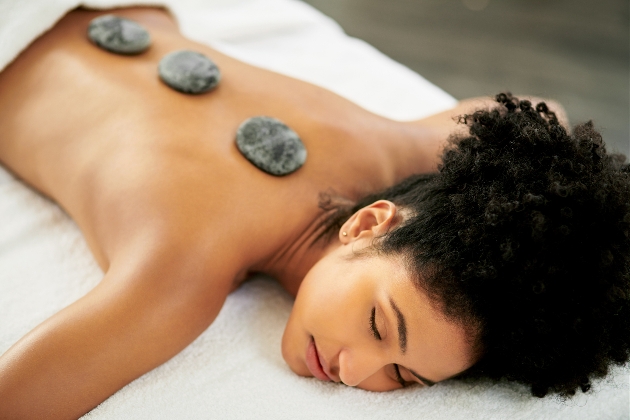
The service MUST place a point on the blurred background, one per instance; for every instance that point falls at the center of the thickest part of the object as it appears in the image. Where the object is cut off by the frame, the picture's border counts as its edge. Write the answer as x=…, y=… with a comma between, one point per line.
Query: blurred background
x=574, y=51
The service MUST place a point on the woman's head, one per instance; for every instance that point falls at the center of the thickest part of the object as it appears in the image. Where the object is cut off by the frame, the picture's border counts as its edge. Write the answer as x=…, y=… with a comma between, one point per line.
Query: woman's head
x=522, y=240
x=360, y=317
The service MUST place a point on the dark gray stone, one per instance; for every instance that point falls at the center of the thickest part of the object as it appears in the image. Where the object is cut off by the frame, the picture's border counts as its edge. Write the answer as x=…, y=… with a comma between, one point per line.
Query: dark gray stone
x=270, y=145
x=189, y=72
x=118, y=35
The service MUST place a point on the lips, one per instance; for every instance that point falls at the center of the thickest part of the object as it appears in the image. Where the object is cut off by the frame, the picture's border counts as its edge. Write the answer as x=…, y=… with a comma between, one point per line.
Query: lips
x=312, y=362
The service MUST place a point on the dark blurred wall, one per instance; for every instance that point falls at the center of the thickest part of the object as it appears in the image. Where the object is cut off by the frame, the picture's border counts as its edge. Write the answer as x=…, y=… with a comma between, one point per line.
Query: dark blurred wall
x=574, y=51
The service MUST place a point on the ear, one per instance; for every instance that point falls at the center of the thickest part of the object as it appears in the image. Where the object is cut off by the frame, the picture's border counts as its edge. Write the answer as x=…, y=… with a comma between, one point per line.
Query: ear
x=370, y=222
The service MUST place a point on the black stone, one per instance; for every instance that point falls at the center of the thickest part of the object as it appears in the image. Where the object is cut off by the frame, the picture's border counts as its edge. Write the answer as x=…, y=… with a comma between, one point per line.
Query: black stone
x=119, y=35
x=189, y=72
x=270, y=145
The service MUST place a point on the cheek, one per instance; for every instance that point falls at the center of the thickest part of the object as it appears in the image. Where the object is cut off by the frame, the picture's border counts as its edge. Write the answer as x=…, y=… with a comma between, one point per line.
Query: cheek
x=293, y=340
x=307, y=316
x=332, y=306
x=326, y=299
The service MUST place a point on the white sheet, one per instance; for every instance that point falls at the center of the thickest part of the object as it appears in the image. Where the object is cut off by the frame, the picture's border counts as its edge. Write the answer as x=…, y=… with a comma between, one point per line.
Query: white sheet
x=235, y=370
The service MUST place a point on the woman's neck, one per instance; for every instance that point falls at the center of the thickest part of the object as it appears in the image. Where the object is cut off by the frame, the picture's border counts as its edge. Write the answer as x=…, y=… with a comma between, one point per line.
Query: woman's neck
x=290, y=264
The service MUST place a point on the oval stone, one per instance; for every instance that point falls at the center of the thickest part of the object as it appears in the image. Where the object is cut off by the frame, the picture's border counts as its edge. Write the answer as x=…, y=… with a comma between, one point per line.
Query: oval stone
x=118, y=35
x=189, y=72
x=270, y=145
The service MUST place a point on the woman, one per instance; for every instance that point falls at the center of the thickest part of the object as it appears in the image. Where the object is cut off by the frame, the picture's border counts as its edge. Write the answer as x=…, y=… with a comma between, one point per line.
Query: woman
x=391, y=288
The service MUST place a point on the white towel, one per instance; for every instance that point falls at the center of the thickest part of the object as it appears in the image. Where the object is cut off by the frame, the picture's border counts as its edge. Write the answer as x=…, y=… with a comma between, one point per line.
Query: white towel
x=234, y=370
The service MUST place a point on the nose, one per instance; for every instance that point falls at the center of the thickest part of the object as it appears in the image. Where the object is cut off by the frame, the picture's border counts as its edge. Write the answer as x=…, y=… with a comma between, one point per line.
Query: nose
x=355, y=367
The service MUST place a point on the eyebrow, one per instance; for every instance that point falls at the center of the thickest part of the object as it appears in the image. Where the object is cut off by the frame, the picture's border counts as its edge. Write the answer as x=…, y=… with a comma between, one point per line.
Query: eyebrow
x=402, y=339
x=402, y=327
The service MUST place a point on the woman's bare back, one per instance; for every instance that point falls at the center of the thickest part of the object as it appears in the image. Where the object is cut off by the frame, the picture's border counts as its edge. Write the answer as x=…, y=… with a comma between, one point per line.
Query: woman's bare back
x=101, y=135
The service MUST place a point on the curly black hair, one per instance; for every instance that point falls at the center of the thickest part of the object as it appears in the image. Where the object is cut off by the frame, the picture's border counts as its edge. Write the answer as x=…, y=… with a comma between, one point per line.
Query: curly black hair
x=525, y=233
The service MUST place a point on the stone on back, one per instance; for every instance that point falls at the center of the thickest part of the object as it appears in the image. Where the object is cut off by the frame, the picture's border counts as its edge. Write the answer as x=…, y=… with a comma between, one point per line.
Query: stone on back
x=119, y=35
x=189, y=72
x=270, y=145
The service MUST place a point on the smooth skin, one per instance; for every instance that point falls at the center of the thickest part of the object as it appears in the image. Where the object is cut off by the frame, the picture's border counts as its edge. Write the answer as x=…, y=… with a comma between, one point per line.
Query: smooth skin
x=177, y=218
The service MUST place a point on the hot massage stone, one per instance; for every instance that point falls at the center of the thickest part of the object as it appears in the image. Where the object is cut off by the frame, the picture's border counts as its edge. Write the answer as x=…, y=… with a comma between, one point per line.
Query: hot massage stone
x=270, y=145
x=189, y=72
x=119, y=35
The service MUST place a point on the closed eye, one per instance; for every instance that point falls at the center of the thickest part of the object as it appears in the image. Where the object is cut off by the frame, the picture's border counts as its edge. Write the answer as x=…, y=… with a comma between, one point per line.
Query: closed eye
x=375, y=332
x=414, y=377
x=377, y=335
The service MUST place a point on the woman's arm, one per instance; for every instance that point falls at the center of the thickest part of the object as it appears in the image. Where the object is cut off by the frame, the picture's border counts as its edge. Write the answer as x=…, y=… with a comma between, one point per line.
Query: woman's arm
x=138, y=317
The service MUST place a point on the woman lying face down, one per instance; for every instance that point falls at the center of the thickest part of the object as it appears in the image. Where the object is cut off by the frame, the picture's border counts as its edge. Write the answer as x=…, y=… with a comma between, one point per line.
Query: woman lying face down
x=512, y=262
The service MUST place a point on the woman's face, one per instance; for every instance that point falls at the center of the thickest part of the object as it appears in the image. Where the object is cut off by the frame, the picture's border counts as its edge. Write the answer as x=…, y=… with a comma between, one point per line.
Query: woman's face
x=361, y=321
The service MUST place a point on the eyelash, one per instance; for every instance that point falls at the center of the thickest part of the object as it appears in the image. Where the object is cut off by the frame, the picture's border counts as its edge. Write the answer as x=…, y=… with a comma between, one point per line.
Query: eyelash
x=375, y=332
x=399, y=378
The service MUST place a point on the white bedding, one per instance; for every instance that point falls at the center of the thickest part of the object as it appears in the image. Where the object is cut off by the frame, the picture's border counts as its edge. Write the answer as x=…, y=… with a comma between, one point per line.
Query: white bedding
x=235, y=369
